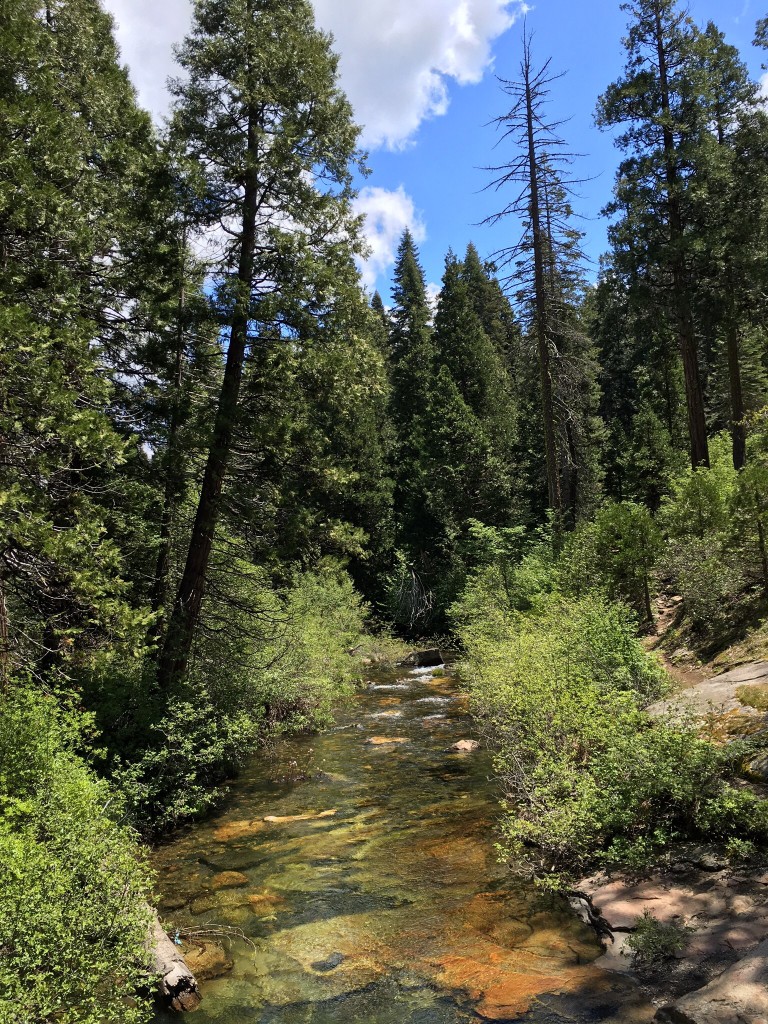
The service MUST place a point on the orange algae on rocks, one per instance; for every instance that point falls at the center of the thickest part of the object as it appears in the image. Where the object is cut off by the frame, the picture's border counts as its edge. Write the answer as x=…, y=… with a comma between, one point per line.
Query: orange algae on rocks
x=232, y=830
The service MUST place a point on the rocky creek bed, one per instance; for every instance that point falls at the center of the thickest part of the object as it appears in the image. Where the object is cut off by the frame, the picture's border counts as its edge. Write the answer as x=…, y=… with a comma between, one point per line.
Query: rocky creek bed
x=360, y=869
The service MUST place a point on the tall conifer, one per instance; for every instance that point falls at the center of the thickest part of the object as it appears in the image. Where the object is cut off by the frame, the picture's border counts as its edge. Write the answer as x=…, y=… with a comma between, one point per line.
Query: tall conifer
x=261, y=112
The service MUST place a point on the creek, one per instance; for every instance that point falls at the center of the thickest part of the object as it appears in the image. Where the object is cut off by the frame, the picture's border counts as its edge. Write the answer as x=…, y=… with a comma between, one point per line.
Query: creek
x=361, y=866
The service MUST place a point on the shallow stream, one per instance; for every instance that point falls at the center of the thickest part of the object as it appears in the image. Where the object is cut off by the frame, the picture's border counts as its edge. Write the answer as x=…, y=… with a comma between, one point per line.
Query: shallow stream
x=361, y=866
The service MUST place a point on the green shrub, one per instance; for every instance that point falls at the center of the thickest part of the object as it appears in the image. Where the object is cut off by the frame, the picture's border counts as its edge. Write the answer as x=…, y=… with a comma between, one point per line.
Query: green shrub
x=560, y=691
x=653, y=944
x=72, y=886
x=279, y=670
x=732, y=812
x=706, y=578
x=588, y=777
x=704, y=557
x=616, y=552
x=740, y=851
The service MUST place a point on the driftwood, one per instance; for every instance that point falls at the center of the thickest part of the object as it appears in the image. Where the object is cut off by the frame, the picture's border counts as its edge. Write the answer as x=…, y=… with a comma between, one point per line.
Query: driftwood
x=177, y=985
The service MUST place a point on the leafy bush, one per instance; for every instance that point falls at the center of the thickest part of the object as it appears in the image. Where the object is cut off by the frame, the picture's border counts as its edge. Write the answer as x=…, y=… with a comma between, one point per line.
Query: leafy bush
x=72, y=887
x=278, y=671
x=588, y=778
x=616, y=551
x=707, y=557
x=653, y=944
x=506, y=582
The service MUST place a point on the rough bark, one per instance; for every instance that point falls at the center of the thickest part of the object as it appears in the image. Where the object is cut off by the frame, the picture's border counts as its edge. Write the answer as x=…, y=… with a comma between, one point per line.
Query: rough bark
x=5, y=648
x=738, y=428
x=186, y=611
x=763, y=554
x=176, y=986
x=540, y=298
x=694, y=396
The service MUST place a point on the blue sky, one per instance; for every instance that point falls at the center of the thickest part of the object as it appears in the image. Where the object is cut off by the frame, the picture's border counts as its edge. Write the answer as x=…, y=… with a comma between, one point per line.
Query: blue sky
x=420, y=74
x=440, y=170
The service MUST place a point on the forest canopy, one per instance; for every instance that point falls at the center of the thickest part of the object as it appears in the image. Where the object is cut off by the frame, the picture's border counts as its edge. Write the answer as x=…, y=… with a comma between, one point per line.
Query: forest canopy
x=222, y=460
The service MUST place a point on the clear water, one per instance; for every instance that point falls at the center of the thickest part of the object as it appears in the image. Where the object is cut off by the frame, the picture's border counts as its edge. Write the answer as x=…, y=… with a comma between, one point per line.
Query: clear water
x=394, y=908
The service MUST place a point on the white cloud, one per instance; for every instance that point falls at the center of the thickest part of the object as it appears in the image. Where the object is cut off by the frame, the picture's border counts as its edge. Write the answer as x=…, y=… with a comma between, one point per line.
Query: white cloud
x=146, y=31
x=387, y=215
x=397, y=56
x=433, y=294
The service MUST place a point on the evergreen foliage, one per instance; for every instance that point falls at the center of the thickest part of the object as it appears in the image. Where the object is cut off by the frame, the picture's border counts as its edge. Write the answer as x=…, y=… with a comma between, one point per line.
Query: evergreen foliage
x=219, y=457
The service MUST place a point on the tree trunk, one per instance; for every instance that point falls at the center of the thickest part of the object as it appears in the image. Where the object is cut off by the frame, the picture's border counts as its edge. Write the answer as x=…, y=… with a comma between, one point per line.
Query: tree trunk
x=176, y=985
x=763, y=553
x=172, y=460
x=186, y=611
x=542, y=332
x=5, y=647
x=697, y=424
x=647, y=601
x=738, y=428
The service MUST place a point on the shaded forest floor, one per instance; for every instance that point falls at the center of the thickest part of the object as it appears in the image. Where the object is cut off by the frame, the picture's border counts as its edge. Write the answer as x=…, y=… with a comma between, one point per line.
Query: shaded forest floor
x=690, y=657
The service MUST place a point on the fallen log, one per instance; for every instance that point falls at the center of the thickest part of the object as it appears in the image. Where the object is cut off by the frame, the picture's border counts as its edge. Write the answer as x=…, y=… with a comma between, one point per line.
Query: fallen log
x=177, y=986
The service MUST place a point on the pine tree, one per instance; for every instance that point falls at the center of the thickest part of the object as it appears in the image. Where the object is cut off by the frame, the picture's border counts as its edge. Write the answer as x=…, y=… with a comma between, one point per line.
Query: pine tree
x=261, y=112
x=468, y=435
x=657, y=102
x=411, y=352
x=727, y=220
x=545, y=269
x=75, y=150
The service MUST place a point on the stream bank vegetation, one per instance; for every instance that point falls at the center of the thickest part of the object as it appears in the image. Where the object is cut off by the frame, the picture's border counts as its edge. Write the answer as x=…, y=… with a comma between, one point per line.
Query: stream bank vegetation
x=222, y=463
x=560, y=681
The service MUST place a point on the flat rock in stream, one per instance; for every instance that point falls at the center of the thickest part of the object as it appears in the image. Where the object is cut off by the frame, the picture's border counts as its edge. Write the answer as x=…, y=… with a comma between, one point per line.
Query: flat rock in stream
x=385, y=741
x=231, y=831
x=286, y=819
x=207, y=960
x=228, y=880
x=464, y=747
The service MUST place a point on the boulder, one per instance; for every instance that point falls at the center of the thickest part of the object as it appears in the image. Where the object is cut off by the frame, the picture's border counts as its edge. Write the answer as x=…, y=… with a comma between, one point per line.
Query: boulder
x=424, y=659
x=207, y=960
x=464, y=747
x=717, y=694
x=738, y=996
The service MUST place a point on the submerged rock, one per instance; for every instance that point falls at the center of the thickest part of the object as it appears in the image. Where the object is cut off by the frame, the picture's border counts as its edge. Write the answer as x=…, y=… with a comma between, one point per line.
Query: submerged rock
x=383, y=741
x=233, y=830
x=207, y=960
x=228, y=880
x=265, y=903
x=276, y=819
x=330, y=964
